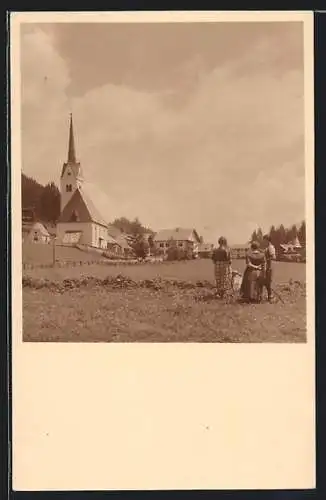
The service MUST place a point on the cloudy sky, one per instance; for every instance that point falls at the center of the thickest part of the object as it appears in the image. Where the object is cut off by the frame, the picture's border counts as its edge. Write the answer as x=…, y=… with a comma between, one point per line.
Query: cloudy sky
x=181, y=124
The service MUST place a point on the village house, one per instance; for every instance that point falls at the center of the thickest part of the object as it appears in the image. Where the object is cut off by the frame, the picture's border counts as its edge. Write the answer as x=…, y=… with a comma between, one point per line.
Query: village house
x=184, y=239
x=119, y=242
x=35, y=232
x=292, y=251
x=239, y=251
x=205, y=250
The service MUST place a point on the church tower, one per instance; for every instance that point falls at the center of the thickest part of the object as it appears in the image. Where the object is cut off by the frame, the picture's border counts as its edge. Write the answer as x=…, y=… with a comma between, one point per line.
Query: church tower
x=71, y=174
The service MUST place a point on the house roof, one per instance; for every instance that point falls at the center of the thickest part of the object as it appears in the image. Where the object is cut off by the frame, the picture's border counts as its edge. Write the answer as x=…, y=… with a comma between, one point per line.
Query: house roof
x=52, y=230
x=112, y=240
x=114, y=231
x=178, y=233
x=290, y=247
x=84, y=207
x=122, y=240
x=35, y=226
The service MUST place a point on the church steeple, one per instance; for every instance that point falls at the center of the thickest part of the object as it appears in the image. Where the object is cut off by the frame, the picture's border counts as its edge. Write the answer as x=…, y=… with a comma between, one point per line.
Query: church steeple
x=71, y=174
x=71, y=147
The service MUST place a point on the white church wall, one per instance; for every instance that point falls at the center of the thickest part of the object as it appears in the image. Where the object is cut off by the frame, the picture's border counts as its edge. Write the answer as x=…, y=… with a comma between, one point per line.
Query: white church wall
x=99, y=236
x=84, y=227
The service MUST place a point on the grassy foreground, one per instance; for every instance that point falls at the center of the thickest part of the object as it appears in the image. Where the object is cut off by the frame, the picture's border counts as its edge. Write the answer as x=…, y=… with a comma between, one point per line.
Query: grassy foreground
x=101, y=310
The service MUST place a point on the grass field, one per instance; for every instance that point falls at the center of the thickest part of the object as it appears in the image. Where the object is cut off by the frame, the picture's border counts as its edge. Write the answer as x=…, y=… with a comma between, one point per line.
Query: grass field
x=102, y=313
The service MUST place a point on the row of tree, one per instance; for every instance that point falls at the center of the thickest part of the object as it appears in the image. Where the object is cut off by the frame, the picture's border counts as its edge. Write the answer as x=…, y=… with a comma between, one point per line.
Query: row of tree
x=133, y=227
x=281, y=235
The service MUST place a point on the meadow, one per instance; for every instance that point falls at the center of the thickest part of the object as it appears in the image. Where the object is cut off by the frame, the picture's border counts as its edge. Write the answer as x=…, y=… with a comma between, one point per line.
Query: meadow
x=161, y=302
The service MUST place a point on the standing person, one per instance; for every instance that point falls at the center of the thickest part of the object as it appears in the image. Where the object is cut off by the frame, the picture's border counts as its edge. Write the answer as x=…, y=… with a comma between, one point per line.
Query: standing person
x=222, y=266
x=252, y=282
x=270, y=255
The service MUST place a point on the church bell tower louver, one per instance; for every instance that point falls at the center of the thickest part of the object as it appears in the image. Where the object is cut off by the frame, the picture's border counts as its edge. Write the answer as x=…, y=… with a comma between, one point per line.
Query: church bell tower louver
x=71, y=174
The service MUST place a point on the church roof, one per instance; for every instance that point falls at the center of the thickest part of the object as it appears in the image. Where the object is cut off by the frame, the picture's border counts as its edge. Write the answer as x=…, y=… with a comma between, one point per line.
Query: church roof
x=83, y=208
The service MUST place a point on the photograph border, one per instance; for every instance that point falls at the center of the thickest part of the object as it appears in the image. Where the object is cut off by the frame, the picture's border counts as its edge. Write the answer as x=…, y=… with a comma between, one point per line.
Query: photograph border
x=310, y=231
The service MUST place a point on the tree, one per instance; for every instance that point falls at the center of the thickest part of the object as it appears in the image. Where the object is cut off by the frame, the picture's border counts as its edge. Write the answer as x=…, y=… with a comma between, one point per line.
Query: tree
x=302, y=234
x=50, y=203
x=43, y=200
x=31, y=194
x=282, y=234
x=123, y=224
x=273, y=234
x=134, y=227
x=259, y=235
x=254, y=236
x=140, y=247
x=294, y=231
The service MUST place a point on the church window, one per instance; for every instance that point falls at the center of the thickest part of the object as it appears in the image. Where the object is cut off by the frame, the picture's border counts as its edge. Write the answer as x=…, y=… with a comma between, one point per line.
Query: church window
x=74, y=216
x=68, y=188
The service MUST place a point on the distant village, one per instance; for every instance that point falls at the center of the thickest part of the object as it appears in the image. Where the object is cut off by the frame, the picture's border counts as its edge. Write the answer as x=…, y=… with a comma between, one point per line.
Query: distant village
x=81, y=225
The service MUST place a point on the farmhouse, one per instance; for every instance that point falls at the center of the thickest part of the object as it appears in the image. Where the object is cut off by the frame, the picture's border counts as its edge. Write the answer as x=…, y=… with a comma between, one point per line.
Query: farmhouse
x=239, y=251
x=35, y=232
x=292, y=251
x=205, y=250
x=80, y=222
x=185, y=239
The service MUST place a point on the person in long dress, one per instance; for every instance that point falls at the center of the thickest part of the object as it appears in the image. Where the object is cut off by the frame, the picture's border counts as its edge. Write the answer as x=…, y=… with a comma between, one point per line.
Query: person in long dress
x=253, y=278
x=222, y=267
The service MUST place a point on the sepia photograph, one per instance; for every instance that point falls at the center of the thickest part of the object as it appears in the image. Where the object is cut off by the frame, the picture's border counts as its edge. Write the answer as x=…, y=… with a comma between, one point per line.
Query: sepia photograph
x=162, y=168
x=163, y=182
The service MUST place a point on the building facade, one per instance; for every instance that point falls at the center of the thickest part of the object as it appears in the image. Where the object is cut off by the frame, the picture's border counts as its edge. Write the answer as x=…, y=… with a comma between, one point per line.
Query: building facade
x=239, y=251
x=186, y=240
x=35, y=232
x=80, y=222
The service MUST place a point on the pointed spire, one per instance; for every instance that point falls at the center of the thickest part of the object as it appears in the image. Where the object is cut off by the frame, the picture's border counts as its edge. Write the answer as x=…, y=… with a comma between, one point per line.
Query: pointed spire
x=71, y=147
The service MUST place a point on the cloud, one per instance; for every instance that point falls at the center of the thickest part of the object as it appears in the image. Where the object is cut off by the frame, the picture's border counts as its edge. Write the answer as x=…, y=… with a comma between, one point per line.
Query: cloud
x=222, y=149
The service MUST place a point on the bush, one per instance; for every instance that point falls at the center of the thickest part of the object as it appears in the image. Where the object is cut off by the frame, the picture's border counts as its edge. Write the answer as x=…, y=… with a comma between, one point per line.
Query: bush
x=175, y=253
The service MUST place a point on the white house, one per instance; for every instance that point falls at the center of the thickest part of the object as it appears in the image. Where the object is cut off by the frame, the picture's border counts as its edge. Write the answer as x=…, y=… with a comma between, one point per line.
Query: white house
x=205, y=250
x=35, y=232
x=239, y=251
x=79, y=221
x=184, y=239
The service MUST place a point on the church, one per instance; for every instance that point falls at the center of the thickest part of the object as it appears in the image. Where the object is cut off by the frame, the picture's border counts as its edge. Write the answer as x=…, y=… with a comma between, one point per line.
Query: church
x=80, y=222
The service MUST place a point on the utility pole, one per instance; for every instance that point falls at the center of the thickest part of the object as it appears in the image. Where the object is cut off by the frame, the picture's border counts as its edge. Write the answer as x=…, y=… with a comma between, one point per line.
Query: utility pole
x=53, y=253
